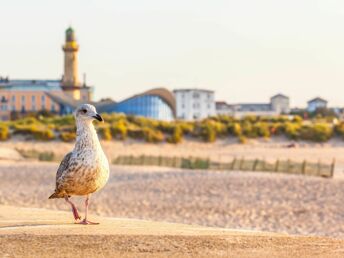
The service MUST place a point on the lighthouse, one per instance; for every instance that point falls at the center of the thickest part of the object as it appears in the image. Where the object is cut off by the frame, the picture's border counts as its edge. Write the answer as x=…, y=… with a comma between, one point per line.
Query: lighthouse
x=70, y=79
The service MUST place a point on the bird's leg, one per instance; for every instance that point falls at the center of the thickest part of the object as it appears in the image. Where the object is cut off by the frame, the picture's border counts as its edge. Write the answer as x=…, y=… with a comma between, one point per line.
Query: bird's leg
x=85, y=221
x=74, y=209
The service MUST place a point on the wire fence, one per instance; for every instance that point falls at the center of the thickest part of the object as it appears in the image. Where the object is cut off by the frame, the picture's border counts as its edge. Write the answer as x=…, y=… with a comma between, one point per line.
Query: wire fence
x=242, y=164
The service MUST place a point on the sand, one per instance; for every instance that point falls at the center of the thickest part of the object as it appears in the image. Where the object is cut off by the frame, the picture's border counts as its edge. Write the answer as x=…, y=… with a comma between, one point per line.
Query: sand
x=238, y=200
x=27, y=232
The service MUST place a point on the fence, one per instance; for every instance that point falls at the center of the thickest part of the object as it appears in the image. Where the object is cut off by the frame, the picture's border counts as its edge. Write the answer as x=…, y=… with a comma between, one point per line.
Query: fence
x=279, y=166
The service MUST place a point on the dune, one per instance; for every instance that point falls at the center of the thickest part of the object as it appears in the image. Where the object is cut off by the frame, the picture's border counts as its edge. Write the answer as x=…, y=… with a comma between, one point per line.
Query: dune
x=31, y=232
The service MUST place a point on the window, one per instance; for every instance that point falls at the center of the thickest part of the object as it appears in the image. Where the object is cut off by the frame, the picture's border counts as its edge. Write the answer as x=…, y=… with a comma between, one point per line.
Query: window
x=196, y=105
x=43, y=101
x=33, y=99
x=196, y=95
x=23, y=99
x=13, y=98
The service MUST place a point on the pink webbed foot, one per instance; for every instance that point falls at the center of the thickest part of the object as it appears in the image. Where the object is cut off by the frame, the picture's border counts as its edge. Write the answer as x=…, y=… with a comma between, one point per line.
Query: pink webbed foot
x=86, y=222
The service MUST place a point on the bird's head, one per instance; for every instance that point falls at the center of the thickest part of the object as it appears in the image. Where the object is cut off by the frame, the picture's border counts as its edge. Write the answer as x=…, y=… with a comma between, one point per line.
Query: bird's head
x=87, y=112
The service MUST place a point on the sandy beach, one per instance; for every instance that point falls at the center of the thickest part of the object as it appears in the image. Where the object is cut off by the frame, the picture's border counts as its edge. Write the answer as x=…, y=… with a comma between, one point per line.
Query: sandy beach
x=304, y=214
x=237, y=200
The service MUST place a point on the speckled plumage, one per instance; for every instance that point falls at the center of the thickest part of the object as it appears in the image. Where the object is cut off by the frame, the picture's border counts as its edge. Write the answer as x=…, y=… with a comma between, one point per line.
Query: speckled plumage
x=85, y=170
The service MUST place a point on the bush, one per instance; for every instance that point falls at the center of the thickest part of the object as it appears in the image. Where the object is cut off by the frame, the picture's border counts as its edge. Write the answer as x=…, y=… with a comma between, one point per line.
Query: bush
x=4, y=132
x=292, y=130
x=339, y=129
x=44, y=134
x=177, y=135
x=119, y=130
x=208, y=133
x=242, y=139
x=151, y=135
x=235, y=129
x=248, y=130
x=68, y=136
x=316, y=132
x=262, y=129
x=105, y=133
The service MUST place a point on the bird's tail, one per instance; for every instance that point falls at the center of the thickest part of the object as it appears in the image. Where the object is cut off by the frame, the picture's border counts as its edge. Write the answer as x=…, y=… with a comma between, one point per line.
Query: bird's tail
x=55, y=195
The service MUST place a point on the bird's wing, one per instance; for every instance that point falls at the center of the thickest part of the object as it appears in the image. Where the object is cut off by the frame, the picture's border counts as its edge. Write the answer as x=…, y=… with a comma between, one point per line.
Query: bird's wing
x=63, y=166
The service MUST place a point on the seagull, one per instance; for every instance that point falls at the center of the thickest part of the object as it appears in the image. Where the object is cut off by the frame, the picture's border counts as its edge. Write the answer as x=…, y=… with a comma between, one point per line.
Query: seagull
x=85, y=170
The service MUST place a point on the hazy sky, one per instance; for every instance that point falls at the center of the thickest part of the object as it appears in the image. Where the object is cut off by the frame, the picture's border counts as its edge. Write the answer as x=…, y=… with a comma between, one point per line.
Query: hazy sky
x=245, y=50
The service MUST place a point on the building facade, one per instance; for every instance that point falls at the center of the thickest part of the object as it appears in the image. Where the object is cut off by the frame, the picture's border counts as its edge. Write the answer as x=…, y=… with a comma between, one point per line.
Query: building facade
x=194, y=104
x=156, y=104
x=34, y=95
x=279, y=104
x=315, y=104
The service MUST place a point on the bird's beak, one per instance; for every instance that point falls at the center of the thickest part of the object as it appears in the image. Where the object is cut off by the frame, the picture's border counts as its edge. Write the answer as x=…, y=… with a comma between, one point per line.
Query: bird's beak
x=98, y=117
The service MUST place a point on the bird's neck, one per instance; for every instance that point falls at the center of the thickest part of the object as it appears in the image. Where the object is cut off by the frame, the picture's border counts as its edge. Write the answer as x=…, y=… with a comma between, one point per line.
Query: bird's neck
x=86, y=136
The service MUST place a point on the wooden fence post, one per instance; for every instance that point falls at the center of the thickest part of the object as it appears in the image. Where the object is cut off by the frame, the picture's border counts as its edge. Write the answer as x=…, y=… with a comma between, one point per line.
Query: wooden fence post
x=277, y=165
x=304, y=164
x=332, y=167
x=255, y=165
x=233, y=163
x=241, y=163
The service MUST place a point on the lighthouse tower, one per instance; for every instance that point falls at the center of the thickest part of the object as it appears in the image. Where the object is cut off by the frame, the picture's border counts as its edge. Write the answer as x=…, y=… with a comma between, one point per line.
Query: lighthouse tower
x=70, y=80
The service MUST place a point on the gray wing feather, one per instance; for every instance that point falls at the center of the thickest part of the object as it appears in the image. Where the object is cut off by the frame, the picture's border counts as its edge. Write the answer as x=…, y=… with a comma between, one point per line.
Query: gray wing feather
x=63, y=166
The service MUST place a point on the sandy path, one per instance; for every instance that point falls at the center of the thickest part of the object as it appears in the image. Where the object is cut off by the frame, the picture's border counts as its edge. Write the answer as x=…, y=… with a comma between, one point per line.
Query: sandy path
x=258, y=201
x=44, y=233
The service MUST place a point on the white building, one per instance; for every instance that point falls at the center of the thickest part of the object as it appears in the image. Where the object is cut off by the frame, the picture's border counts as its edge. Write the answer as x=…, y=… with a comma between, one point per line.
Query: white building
x=279, y=104
x=194, y=104
x=316, y=103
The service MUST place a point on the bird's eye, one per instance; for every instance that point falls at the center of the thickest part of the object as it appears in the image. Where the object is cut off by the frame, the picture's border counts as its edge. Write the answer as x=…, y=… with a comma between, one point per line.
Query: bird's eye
x=84, y=111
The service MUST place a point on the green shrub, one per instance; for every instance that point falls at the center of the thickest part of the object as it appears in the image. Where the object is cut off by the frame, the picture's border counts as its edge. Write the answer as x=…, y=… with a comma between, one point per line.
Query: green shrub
x=151, y=135
x=187, y=127
x=119, y=130
x=4, y=132
x=44, y=134
x=292, y=130
x=177, y=135
x=242, y=139
x=339, y=129
x=105, y=133
x=235, y=129
x=317, y=132
x=68, y=136
x=248, y=130
x=208, y=133
x=262, y=129
x=297, y=119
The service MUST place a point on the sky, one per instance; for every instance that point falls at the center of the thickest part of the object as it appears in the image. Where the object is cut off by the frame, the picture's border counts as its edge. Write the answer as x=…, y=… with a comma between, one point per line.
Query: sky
x=246, y=51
